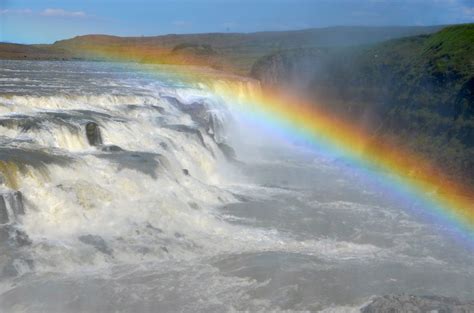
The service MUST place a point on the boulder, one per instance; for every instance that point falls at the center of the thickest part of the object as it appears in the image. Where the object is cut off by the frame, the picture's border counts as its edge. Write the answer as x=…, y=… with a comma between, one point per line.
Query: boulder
x=93, y=134
x=111, y=148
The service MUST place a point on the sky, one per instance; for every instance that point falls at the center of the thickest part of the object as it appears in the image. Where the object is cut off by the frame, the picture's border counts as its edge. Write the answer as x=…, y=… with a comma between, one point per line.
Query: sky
x=45, y=21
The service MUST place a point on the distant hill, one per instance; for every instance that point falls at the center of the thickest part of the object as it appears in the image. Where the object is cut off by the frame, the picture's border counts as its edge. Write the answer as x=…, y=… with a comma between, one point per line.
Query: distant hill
x=32, y=52
x=418, y=90
x=234, y=52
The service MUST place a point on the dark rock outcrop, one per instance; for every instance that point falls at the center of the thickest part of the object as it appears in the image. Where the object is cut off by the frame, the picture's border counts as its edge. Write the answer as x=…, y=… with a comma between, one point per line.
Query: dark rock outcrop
x=293, y=69
x=188, y=130
x=144, y=162
x=111, y=148
x=415, y=304
x=93, y=134
x=228, y=151
x=11, y=206
x=203, y=116
x=97, y=242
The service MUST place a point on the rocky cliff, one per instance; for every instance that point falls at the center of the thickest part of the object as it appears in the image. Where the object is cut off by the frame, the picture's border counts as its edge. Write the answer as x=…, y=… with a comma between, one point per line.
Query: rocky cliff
x=419, y=90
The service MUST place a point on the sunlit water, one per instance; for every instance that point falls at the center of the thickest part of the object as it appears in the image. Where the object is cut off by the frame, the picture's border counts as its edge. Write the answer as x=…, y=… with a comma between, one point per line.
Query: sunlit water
x=167, y=223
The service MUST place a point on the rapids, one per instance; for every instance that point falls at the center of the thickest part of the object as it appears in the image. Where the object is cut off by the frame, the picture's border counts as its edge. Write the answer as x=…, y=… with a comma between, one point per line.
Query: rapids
x=125, y=189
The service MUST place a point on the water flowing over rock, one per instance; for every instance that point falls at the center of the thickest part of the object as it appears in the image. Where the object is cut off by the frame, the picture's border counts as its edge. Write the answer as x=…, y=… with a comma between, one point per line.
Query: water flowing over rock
x=97, y=242
x=11, y=206
x=93, y=134
x=188, y=130
x=417, y=304
x=228, y=151
x=123, y=191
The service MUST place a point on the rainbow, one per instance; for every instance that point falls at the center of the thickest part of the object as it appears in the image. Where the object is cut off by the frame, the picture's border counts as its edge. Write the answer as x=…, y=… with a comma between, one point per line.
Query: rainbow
x=403, y=174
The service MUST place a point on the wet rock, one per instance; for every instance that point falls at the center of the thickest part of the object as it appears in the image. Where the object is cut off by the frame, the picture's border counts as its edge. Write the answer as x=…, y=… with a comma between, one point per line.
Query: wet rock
x=4, y=218
x=415, y=304
x=185, y=172
x=193, y=205
x=22, y=122
x=228, y=151
x=188, y=130
x=11, y=206
x=144, y=162
x=93, y=134
x=13, y=237
x=13, y=158
x=215, y=127
x=164, y=145
x=197, y=110
x=111, y=148
x=97, y=242
x=203, y=116
x=134, y=107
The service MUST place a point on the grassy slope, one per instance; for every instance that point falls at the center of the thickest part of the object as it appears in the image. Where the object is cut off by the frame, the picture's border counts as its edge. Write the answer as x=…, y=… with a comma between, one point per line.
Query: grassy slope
x=235, y=52
x=32, y=52
x=421, y=89
x=432, y=103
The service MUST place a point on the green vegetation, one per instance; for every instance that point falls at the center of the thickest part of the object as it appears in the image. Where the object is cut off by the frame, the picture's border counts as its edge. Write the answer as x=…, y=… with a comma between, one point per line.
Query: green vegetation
x=418, y=90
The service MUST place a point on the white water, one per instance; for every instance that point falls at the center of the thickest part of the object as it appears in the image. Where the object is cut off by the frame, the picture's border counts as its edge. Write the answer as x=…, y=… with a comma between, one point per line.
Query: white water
x=129, y=230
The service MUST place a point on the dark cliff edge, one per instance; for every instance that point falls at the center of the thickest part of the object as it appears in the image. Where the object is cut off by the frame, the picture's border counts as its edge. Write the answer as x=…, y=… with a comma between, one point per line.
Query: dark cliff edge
x=418, y=90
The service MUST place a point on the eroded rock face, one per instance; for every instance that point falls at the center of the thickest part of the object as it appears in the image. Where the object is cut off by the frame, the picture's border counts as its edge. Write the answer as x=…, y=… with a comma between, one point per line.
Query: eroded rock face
x=415, y=304
x=188, y=130
x=228, y=151
x=295, y=69
x=203, y=116
x=11, y=206
x=93, y=134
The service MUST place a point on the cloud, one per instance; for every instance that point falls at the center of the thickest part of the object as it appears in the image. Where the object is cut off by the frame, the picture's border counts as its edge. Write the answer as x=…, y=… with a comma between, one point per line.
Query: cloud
x=15, y=11
x=63, y=13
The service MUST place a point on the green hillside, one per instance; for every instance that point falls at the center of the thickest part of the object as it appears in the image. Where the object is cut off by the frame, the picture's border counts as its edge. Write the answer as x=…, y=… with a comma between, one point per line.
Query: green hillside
x=234, y=52
x=419, y=90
